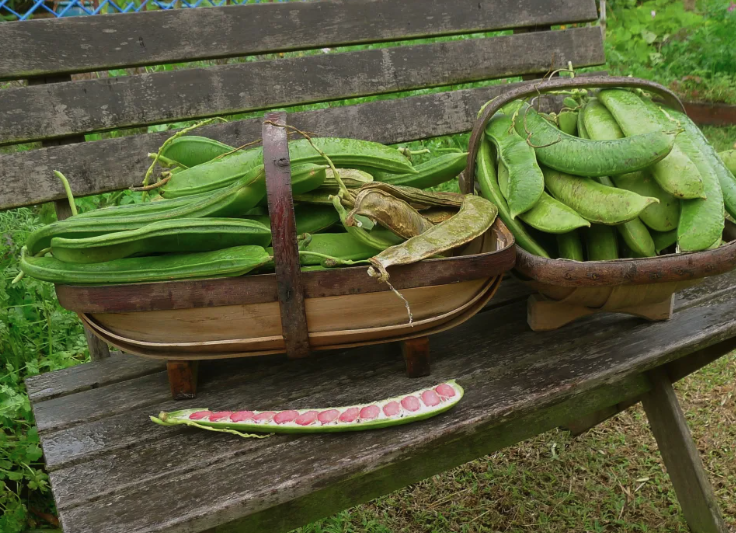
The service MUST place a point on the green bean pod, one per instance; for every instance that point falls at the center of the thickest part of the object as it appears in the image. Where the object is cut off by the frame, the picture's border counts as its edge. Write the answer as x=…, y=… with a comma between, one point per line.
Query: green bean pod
x=601, y=243
x=548, y=215
x=345, y=153
x=568, y=122
x=181, y=235
x=569, y=246
x=193, y=150
x=488, y=184
x=377, y=238
x=429, y=174
x=676, y=173
x=664, y=216
x=593, y=201
x=702, y=219
x=220, y=263
x=582, y=157
x=341, y=245
x=231, y=201
x=526, y=181
x=729, y=159
x=309, y=218
x=663, y=240
x=725, y=176
x=637, y=238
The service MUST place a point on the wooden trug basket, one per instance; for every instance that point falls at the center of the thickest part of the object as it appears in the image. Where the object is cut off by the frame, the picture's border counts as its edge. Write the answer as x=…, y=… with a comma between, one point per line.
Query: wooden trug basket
x=569, y=290
x=292, y=311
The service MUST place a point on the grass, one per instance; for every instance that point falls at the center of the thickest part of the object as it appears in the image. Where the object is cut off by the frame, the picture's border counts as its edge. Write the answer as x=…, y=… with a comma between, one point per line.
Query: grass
x=610, y=479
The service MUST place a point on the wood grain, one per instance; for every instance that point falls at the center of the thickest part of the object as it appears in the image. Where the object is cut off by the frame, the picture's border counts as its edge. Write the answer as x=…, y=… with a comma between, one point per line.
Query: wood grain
x=516, y=377
x=681, y=457
x=90, y=376
x=507, y=347
x=113, y=164
x=73, y=45
x=290, y=286
x=102, y=104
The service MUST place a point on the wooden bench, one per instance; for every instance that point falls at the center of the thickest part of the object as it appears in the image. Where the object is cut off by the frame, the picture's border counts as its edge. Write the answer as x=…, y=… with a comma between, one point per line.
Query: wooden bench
x=112, y=470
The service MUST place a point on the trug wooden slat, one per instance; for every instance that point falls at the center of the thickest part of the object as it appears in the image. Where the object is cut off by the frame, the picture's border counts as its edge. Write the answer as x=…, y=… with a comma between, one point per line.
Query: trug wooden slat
x=93, y=105
x=72, y=45
x=509, y=372
x=113, y=164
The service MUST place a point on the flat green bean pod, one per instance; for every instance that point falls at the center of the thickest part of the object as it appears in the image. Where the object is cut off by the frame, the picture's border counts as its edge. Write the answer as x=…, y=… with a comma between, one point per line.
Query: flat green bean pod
x=526, y=182
x=601, y=126
x=181, y=235
x=582, y=157
x=309, y=218
x=601, y=243
x=676, y=174
x=488, y=184
x=702, y=219
x=569, y=246
x=429, y=174
x=729, y=159
x=548, y=215
x=345, y=153
x=193, y=150
x=637, y=238
x=663, y=240
x=218, y=264
x=377, y=238
x=718, y=165
x=234, y=200
x=593, y=201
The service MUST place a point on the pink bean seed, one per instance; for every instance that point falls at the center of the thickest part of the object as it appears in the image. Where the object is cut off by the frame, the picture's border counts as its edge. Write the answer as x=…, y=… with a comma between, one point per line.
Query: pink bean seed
x=370, y=412
x=445, y=390
x=214, y=417
x=411, y=403
x=307, y=418
x=285, y=416
x=265, y=416
x=349, y=415
x=430, y=398
x=199, y=415
x=391, y=409
x=328, y=416
x=242, y=416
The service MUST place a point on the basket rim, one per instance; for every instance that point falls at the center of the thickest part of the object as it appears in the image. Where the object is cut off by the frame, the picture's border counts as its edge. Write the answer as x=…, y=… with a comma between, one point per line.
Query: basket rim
x=263, y=288
x=637, y=271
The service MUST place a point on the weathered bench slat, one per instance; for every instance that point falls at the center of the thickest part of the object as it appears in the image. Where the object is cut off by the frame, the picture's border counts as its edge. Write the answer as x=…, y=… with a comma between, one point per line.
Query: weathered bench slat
x=219, y=380
x=510, y=378
x=73, y=45
x=92, y=105
x=114, y=164
x=91, y=376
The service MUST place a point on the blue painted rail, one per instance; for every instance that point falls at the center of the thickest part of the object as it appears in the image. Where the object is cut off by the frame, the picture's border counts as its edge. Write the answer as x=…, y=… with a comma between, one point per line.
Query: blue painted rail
x=13, y=10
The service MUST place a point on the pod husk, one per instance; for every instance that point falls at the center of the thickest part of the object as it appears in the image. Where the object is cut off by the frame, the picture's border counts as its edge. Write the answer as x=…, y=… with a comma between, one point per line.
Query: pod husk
x=390, y=212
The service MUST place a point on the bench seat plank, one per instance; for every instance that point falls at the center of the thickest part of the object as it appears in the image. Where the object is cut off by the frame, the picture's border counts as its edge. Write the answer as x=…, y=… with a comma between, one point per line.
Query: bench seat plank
x=62, y=109
x=72, y=45
x=114, y=164
x=116, y=472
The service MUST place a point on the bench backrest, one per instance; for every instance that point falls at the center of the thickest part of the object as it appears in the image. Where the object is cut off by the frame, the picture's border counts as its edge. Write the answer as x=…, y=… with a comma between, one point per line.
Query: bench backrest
x=60, y=111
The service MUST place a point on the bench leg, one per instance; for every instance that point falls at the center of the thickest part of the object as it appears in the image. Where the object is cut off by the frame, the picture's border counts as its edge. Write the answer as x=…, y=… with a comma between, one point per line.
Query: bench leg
x=416, y=356
x=182, y=379
x=681, y=456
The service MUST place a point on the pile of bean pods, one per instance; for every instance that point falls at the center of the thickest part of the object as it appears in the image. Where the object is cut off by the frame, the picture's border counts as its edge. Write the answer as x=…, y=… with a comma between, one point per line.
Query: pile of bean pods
x=355, y=202
x=612, y=175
